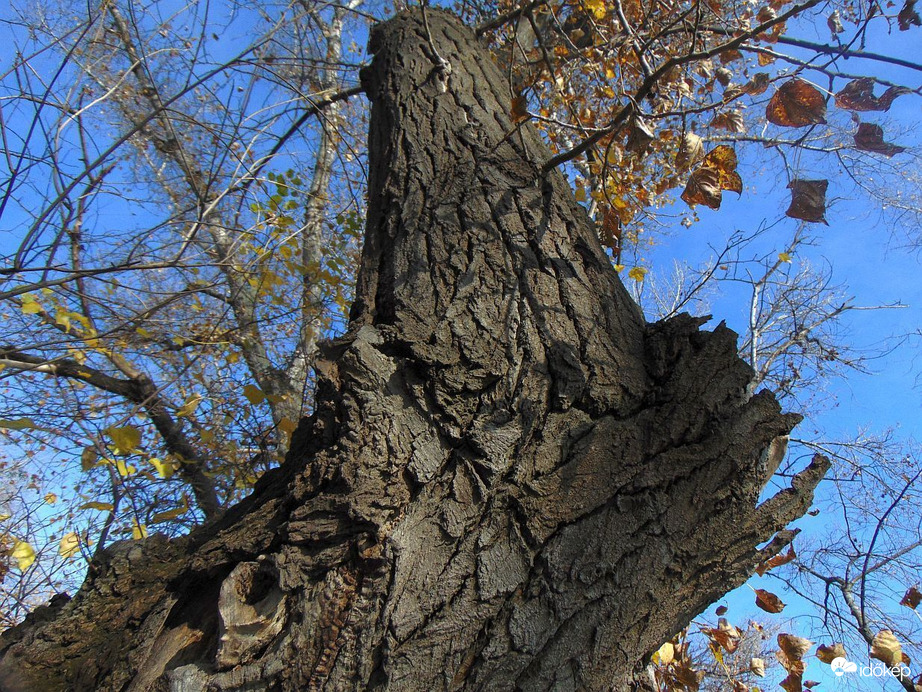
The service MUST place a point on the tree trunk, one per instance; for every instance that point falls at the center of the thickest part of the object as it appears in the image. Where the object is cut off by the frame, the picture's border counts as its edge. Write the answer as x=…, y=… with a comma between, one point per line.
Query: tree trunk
x=510, y=481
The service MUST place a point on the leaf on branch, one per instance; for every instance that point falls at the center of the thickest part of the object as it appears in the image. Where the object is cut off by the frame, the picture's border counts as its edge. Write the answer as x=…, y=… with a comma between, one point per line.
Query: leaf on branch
x=725, y=635
x=254, y=394
x=797, y=103
x=757, y=667
x=886, y=647
x=908, y=16
x=808, y=200
x=24, y=555
x=664, y=655
x=912, y=597
x=790, y=656
x=639, y=138
x=870, y=137
x=731, y=120
x=126, y=439
x=30, y=305
x=691, y=151
x=164, y=468
x=776, y=561
x=519, y=109
x=792, y=683
x=189, y=407
x=827, y=654
x=138, y=531
x=716, y=173
x=69, y=545
x=17, y=424
x=98, y=506
x=88, y=458
x=729, y=56
x=637, y=273
x=768, y=601
x=171, y=514
x=858, y=95
x=755, y=86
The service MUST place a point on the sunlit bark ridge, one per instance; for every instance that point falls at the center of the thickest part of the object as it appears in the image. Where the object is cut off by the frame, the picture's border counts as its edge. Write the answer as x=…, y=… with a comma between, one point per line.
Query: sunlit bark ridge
x=510, y=480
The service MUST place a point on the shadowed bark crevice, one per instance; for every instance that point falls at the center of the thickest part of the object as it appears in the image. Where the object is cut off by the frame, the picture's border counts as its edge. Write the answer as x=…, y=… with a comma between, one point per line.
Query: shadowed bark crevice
x=510, y=481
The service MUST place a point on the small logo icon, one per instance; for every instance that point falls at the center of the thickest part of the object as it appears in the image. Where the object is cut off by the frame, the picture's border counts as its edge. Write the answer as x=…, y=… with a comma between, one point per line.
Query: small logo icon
x=840, y=666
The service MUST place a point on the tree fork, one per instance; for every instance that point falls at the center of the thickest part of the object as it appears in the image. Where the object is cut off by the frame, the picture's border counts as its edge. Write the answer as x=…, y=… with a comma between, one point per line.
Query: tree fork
x=510, y=481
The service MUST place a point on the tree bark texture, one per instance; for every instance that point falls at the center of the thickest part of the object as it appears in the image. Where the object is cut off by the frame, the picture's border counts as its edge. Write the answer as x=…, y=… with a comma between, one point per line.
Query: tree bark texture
x=510, y=480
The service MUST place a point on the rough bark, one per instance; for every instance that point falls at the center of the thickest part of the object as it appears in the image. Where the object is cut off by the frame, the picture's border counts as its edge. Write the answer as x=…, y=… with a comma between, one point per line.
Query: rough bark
x=510, y=481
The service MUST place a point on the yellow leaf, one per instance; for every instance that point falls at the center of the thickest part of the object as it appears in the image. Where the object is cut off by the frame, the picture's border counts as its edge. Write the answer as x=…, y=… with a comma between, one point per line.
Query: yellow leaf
x=69, y=545
x=164, y=468
x=23, y=554
x=29, y=305
x=619, y=267
x=126, y=438
x=253, y=394
x=664, y=655
x=189, y=407
x=637, y=273
x=597, y=7
x=784, y=257
x=138, y=531
x=51, y=498
x=580, y=193
x=99, y=506
x=4, y=516
x=124, y=470
x=170, y=514
x=62, y=318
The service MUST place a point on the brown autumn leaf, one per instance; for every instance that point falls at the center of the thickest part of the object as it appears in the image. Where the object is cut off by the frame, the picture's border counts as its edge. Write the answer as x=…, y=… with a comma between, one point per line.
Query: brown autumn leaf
x=776, y=561
x=792, y=683
x=691, y=151
x=858, y=95
x=808, y=200
x=731, y=120
x=886, y=647
x=688, y=677
x=908, y=16
x=725, y=635
x=793, y=647
x=728, y=56
x=810, y=684
x=721, y=610
x=519, y=109
x=757, y=667
x=768, y=601
x=610, y=231
x=797, y=103
x=639, y=138
x=716, y=173
x=870, y=137
x=827, y=654
x=912, y=597
x=758, y=84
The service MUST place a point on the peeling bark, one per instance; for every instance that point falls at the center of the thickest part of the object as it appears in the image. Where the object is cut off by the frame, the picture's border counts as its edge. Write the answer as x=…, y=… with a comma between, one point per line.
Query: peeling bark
x=510, y=481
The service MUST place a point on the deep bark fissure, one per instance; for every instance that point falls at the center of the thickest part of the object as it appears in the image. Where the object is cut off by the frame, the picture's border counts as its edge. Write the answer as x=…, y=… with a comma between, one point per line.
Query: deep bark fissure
x=509, y=481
